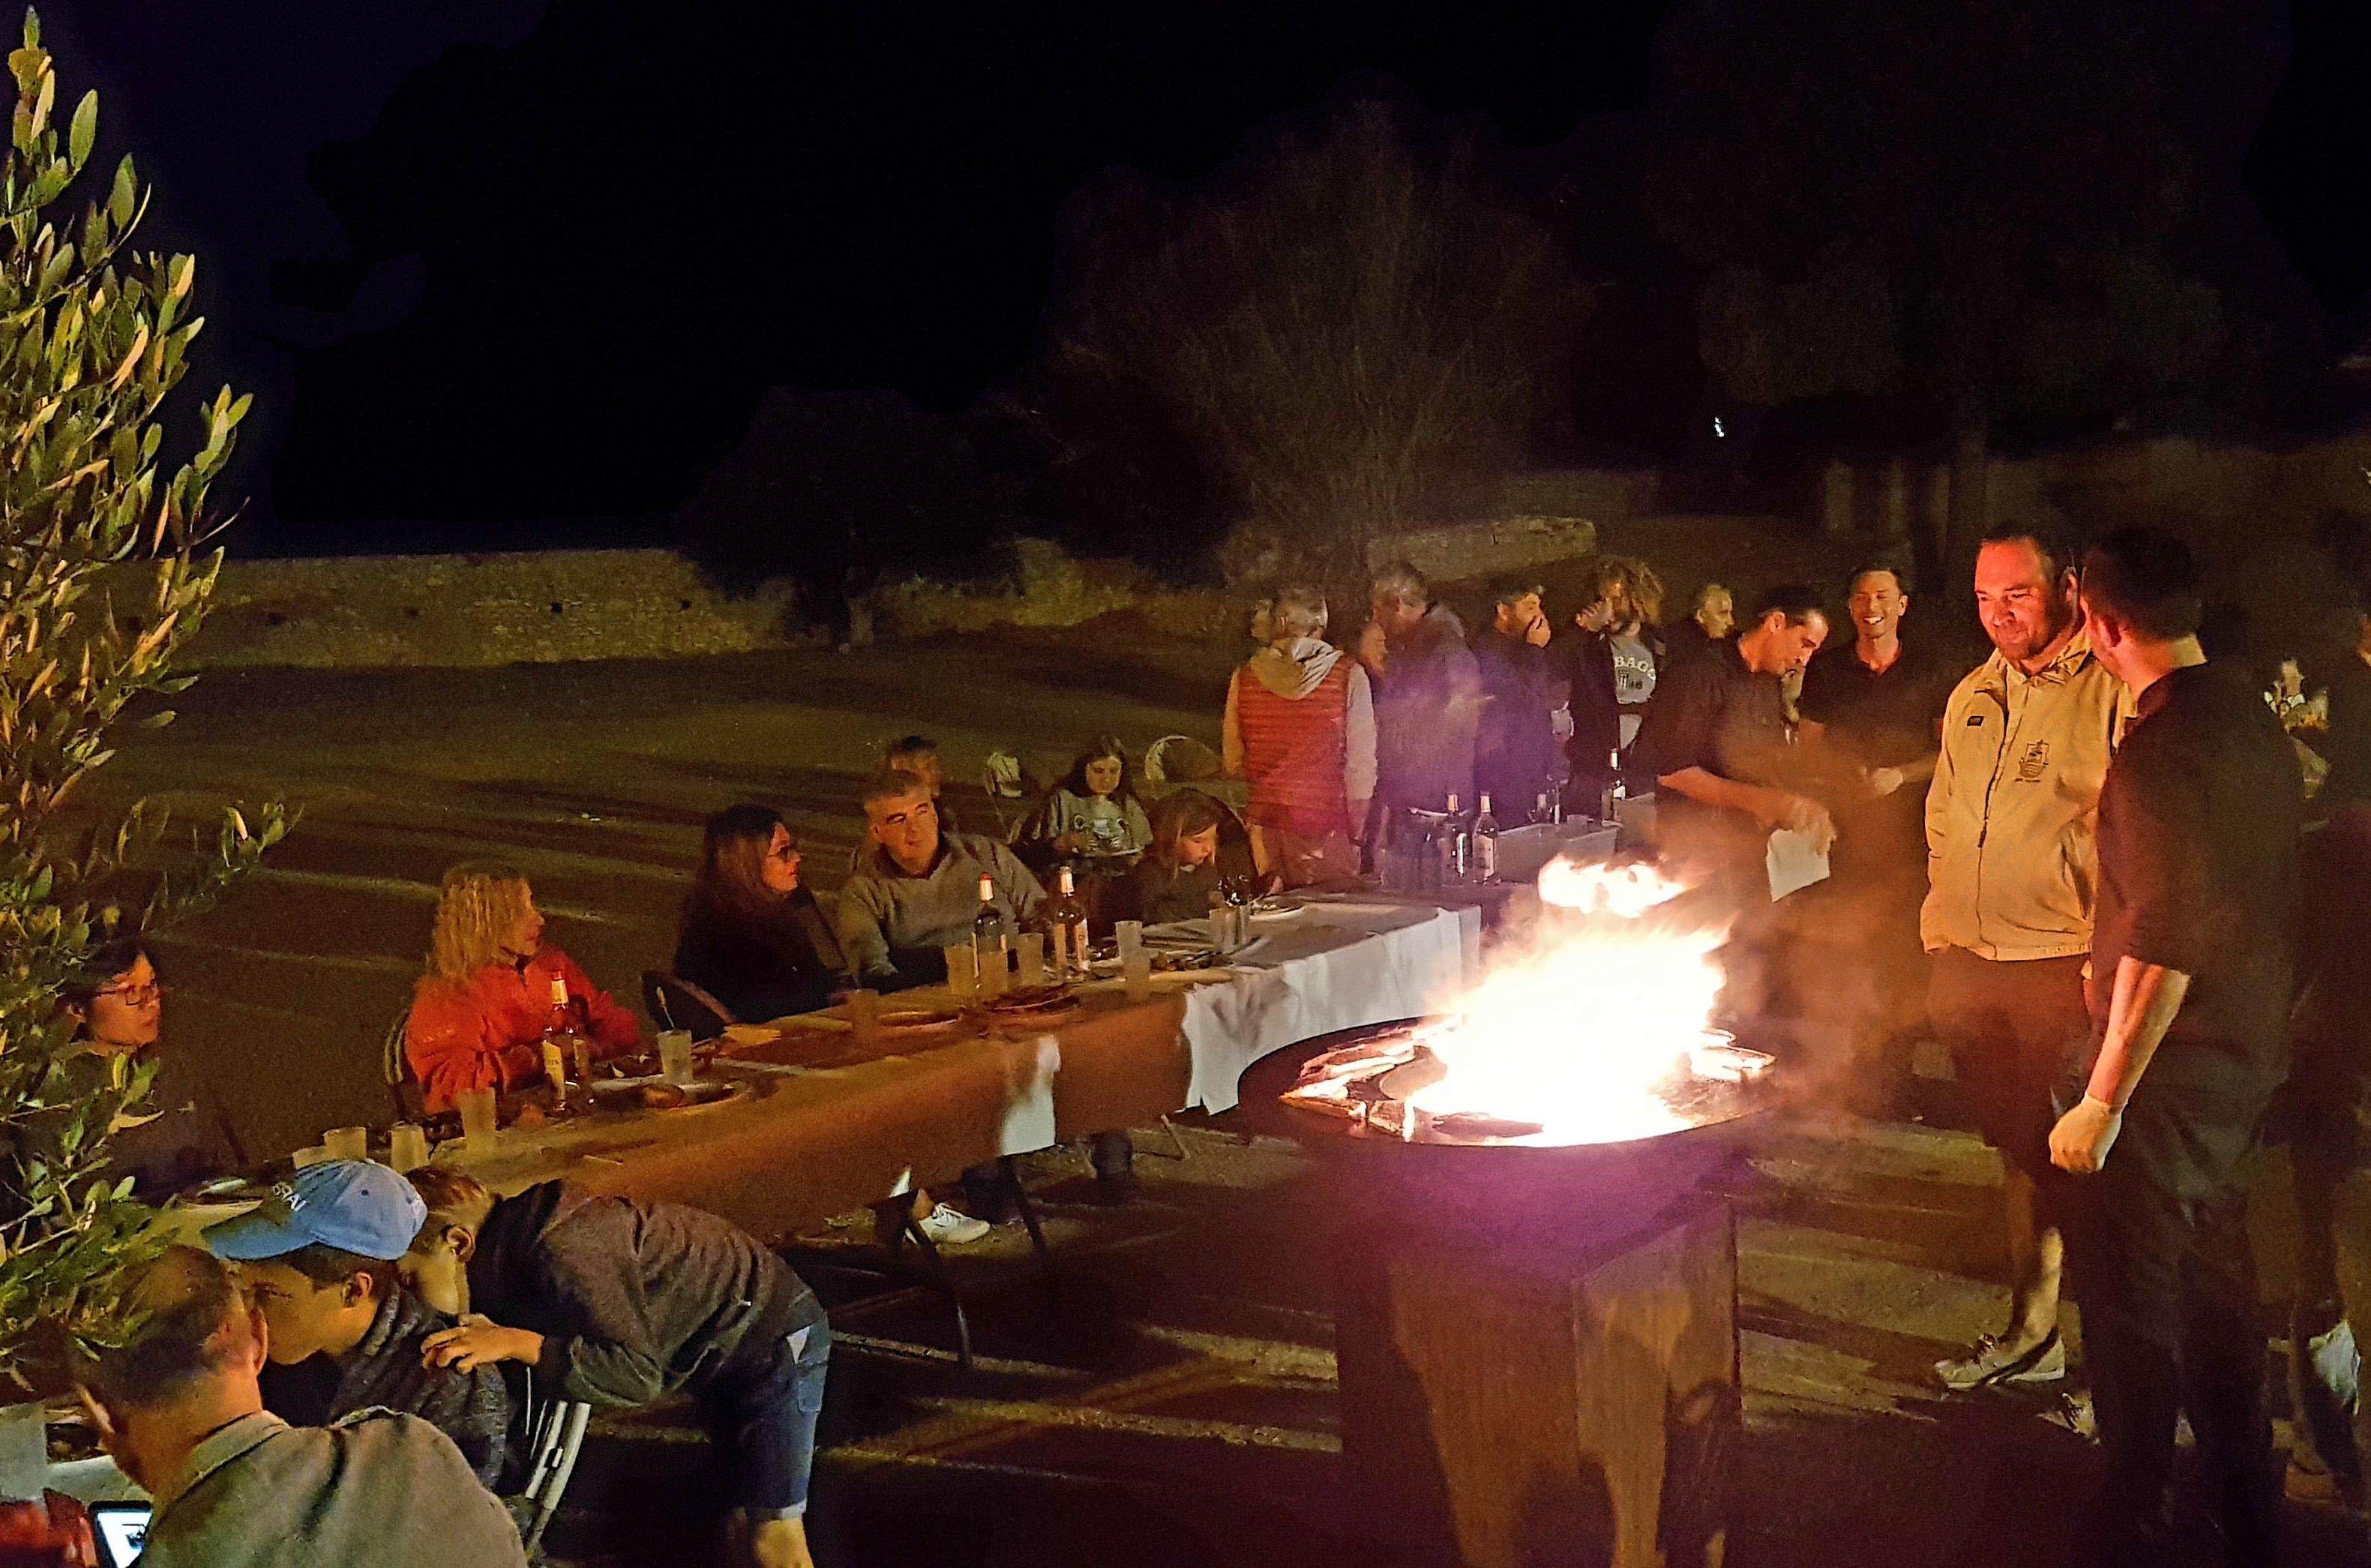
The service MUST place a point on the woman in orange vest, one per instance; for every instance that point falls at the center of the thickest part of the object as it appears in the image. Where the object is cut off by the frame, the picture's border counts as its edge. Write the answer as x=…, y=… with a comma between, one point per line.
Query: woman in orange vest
x=1300, y=728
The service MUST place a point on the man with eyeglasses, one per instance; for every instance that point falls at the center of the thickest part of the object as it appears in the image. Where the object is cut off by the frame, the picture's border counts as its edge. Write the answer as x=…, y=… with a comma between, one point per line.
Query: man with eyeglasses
x=915, y=889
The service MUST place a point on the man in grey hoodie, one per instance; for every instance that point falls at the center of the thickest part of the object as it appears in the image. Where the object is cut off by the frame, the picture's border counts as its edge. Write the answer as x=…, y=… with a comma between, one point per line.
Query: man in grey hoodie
x=1300, y=728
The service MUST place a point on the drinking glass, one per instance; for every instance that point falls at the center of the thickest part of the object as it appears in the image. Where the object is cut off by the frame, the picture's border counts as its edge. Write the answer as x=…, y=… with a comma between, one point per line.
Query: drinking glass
x=407, y=1147
x=300, y=1159
x=1030, y=951
x=865, y=1012
x=674, y=1055
x=477, y=1118
x=1130, y=934
x=347, y=1143
x=962, y=972
x=1136, y=969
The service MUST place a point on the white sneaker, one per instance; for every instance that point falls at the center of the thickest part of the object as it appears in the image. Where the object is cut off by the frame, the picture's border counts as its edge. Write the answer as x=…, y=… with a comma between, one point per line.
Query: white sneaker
x=947, y=1226
x=1993, y=1361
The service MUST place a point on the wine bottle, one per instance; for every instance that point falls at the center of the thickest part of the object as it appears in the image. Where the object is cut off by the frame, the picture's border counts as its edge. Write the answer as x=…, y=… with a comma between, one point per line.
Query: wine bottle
x=1066, y=918
x=991, y=942
x=1486, y=844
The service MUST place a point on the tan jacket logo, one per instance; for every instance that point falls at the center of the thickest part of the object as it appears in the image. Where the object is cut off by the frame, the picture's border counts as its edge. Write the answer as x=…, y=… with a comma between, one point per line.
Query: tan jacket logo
x=2034, y=763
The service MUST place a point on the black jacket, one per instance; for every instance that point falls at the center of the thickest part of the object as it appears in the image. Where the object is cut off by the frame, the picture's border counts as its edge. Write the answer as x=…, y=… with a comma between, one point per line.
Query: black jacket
x=760, y=968
x=634, y=1301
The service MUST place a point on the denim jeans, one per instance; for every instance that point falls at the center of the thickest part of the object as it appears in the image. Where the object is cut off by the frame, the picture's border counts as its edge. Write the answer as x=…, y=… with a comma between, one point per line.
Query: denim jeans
x=764, y=1420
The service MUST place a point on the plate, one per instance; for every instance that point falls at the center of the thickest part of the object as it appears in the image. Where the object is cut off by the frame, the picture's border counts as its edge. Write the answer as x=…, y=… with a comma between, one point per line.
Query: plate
x=655, y=1093
x=751, y=1034
x=919, y=1018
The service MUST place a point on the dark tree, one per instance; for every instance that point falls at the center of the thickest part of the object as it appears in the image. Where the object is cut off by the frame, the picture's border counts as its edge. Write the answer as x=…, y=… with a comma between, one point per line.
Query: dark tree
x=1344, y=328
x=2013, y=212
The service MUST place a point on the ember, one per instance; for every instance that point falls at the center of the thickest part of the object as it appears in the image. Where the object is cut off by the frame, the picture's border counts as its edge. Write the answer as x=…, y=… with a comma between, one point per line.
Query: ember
x=1600, y=1033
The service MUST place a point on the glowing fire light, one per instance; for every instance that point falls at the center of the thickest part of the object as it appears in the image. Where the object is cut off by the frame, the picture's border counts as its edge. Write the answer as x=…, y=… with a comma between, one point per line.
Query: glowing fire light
x=1583, y=1033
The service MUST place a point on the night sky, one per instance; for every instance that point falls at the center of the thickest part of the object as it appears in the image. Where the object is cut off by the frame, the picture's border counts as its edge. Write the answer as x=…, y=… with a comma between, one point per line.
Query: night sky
x=500, y=270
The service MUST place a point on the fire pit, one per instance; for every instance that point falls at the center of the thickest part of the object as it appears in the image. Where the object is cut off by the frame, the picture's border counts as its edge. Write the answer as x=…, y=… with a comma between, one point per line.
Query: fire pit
x=1535, y=1285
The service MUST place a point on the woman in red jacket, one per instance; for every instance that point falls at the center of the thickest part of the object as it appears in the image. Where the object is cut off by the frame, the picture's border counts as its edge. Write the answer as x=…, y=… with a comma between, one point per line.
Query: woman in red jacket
x=479, y=1012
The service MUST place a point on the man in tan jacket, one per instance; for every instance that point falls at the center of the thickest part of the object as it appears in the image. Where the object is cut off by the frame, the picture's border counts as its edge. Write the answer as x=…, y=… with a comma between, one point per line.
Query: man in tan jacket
x=2012, y=867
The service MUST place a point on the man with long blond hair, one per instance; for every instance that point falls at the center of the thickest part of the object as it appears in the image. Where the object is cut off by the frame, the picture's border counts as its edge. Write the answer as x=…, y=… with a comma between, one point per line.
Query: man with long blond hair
x=1610, y=668
x=479, y=1012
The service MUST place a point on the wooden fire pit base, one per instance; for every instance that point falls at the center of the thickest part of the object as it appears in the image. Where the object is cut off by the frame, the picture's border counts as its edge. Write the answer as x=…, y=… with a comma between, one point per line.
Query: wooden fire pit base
x=1521, y=1398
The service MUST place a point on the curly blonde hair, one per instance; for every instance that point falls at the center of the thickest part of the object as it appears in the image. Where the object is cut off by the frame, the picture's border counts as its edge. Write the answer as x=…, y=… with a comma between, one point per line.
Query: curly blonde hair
x=480, y=907
x=1638, y=581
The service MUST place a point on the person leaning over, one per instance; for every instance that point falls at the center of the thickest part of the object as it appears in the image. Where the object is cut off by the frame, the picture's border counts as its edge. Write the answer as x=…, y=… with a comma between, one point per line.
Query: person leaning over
x=619, y=1305
x=2011, y=862
x=916, y=890
x=319, y=1259
x=178, y=1407
x=2193, y=963
x=1300, y=727
x=1715, y=739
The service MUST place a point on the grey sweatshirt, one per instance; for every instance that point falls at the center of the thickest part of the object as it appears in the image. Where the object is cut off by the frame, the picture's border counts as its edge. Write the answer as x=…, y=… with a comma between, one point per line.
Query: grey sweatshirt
x=883, y=909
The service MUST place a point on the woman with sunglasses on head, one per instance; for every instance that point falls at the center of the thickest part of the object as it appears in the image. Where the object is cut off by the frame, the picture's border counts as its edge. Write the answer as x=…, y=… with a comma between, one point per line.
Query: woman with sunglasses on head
x=178, y=1133
x=752, y=936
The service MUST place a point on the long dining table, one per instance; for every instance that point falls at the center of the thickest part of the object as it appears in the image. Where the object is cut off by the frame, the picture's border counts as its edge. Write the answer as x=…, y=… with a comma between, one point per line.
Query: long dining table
x=831, y=1121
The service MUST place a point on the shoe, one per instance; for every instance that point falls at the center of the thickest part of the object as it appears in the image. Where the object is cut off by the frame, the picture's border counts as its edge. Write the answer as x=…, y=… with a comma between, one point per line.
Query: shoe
x=1992, y=1360
x=951, y=1227
x=2074, y=1411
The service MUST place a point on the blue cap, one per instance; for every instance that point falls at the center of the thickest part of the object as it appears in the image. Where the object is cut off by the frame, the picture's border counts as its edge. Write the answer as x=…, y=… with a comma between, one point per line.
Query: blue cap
x=359, y=1206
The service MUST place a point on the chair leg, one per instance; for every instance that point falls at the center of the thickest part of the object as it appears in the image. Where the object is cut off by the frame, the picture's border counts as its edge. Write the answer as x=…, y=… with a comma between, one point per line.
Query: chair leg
x=1028, y=1212
x=1177, y=1142
x=936, y=1267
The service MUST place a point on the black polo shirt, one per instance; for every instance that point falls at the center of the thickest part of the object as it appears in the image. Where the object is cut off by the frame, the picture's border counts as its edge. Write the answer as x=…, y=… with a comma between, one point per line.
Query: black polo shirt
x=2199, y=825
x=1714, y=714
x=1886, y=719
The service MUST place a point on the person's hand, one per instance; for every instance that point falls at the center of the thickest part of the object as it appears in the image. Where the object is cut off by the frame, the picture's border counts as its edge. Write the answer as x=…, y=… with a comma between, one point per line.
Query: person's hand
x=479, y=1342
x=1069, y=844
x=1597, y=617
x=1883, y=780
x=1537, y=632
x=2084, y=1135
x=1373, y=645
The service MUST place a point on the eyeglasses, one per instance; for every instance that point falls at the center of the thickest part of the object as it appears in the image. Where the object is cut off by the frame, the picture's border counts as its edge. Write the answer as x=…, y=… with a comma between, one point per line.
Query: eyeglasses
x=781, y=851
x=134, y=995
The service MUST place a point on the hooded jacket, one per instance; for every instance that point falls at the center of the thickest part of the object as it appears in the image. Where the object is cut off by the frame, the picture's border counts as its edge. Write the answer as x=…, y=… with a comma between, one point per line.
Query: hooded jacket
x=1300, y=727
x=635, y=1301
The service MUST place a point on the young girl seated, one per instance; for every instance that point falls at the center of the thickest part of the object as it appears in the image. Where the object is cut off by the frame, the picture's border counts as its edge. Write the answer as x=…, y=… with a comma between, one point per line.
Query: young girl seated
x=478, y=1015
x=1092, y=819
x=1178, y=878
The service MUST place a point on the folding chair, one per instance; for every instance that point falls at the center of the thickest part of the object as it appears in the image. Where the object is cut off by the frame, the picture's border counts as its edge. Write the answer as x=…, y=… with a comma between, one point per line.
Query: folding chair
x=394, y=1065
x=555, y=1433
x=1001, y=780
x=674, y=1004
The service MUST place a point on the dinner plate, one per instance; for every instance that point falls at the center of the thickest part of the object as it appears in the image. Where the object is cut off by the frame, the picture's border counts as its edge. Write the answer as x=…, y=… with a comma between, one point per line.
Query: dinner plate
x=634, y=1094
x=919, y=1018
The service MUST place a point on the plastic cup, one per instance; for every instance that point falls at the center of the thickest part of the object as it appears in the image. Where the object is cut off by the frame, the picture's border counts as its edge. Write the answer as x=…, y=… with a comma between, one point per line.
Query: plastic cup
x=477, y=1118
x=1130, y=934
x=1136, y=969
x=300, y=1159
x=995, y=978
x=674, y=1055
x=962, y=973
x=864, y=1013
x=347, y=1143
x=407, y=1147
x=1030, y=960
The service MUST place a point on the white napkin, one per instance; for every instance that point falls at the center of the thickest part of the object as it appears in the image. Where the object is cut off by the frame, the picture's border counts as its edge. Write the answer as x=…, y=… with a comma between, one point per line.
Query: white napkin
x=1794, y=860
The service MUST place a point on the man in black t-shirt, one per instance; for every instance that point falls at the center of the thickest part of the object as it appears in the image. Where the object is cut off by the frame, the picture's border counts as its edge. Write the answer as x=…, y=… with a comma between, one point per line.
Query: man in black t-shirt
x=1717, y=742
x=1876, y=703
x=2193, y=965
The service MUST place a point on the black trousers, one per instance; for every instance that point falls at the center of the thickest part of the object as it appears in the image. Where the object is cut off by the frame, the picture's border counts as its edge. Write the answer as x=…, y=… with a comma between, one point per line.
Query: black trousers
x=2158, y=1251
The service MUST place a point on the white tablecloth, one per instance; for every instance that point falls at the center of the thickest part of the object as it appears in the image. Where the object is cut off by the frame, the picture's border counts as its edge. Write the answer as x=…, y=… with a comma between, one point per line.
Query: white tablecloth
x=1326, y=966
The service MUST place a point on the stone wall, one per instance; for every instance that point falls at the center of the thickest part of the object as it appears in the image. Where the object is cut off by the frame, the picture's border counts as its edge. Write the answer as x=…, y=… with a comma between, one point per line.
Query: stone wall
x=448, y=611
x=1456, y=551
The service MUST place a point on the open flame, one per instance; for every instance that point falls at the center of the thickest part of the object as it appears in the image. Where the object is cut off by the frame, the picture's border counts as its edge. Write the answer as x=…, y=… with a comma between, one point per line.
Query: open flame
x=1585, y=1034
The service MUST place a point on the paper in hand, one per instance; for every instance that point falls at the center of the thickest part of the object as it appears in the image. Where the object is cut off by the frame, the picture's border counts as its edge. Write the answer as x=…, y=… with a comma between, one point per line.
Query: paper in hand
x=1795, y=861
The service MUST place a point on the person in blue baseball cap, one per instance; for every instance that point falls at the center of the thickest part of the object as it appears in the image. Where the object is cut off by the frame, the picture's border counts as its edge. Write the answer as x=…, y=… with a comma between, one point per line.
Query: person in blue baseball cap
x=343, y=1333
